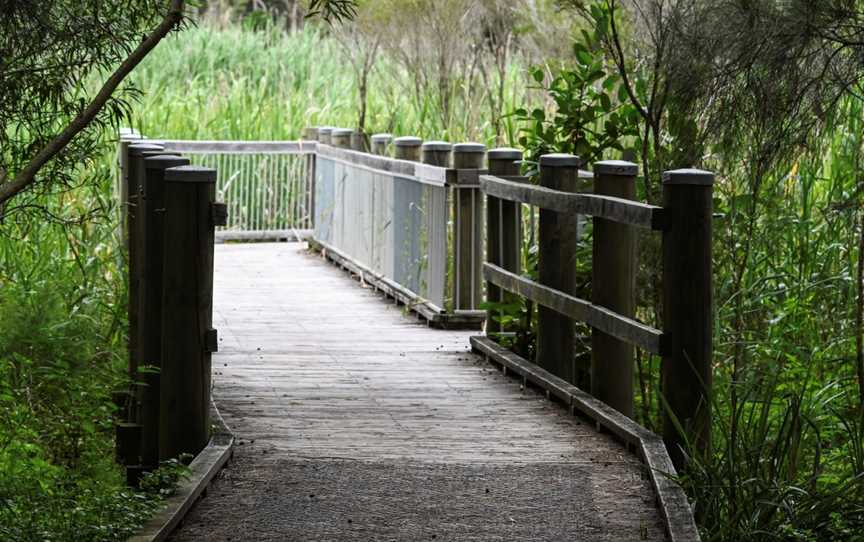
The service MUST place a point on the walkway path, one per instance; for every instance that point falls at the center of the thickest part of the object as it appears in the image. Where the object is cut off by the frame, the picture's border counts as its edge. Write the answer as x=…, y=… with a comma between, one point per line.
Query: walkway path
x=357, y=422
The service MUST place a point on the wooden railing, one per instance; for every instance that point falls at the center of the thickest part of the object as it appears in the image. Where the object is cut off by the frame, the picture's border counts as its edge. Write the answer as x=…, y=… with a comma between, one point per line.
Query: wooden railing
x=684, y=343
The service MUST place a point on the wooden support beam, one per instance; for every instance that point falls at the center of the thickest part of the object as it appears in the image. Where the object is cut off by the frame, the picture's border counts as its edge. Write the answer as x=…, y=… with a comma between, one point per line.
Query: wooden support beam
x=611, y=208
x=468, y=229
x=688, y=303
x=341, y=137
x=324, y=134
x=187, y=310
x=503, y=230
x=612, y=286
x=407, y=148
x=153, y=240
x=381, y=144
x=557, y=271
x=608, y=321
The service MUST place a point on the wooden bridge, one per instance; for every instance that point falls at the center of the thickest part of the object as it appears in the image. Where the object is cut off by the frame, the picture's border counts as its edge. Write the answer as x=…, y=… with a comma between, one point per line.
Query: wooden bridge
x=363, y=401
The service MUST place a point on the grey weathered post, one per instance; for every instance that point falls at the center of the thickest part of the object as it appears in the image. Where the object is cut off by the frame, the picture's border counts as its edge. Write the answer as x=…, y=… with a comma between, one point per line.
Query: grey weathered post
x=503, y=226
x=436, y=153
x=407, y=148
x=153, y=241
x=688, y=302
x=612, y=286
x=310, y=133
x=557, y=238
x=380, y=142
x=324, y=133
x=341, y=137
x=187, y=309
x=468, y=227
x=359, y=141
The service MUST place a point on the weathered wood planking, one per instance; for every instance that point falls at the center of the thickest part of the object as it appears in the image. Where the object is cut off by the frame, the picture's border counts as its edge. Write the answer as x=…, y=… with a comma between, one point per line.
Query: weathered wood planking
x=312, y=366
x=680, y=525
x=620, y=210
x=626, y=329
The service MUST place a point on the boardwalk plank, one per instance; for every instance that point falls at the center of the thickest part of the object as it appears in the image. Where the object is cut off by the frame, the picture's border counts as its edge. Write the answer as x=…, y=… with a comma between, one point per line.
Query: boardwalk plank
x=335, y=392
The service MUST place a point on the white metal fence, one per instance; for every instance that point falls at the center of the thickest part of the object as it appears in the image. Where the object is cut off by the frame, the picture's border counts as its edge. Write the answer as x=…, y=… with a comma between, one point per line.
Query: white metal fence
x=266, y=185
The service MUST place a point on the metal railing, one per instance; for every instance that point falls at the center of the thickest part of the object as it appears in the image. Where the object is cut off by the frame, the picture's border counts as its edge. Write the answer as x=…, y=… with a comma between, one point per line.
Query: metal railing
x=267, y=185
x=387, y=219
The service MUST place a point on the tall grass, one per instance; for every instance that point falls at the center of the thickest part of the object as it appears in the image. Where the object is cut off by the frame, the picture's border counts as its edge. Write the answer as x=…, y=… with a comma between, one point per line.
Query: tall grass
x=212, y=82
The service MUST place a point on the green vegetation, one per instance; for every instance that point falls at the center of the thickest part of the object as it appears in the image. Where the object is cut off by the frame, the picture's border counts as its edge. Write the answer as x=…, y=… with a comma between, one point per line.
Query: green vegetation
x=236, y=83
x=788, y=458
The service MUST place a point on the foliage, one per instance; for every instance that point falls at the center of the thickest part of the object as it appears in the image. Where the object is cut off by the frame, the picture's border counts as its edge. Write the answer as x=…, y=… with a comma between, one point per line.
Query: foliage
x=50, y=121
x=786, y=463
x=61, y=354
x=268, y=84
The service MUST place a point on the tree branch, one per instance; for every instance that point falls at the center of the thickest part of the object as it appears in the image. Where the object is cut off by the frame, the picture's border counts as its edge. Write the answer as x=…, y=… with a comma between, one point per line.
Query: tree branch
x=27, y=175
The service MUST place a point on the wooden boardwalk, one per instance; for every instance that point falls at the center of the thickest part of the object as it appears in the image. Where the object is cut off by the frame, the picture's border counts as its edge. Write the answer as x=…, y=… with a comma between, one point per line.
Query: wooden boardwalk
x=357, y=422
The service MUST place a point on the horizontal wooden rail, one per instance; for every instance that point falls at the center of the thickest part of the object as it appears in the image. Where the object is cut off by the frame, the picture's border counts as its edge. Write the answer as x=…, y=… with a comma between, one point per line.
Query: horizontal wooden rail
x=607, y=321
x=616, y=209
x=239, y=147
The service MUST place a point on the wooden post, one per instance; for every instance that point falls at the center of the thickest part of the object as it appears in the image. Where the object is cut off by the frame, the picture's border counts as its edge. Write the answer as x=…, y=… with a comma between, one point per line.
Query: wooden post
x=381, y=144
x=187, y=310
x=687, y=309
x=359, y=141
x=310, y=133
x=150, y=330
x=557, y=238
x=468, y=230
x=134, y=190
x=341, y=137
x=436, y=153
x=324, y=133
x=612, y=286
x=503, y=227
x=407, y=148
x=126, y=139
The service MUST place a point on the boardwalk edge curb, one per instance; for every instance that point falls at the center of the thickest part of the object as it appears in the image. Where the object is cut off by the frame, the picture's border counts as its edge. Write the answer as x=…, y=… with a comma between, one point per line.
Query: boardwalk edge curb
x=672, y=502
x=204, y=468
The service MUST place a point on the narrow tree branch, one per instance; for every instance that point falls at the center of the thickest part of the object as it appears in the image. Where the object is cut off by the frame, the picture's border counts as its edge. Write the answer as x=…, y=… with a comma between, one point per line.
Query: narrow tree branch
x=27, y=175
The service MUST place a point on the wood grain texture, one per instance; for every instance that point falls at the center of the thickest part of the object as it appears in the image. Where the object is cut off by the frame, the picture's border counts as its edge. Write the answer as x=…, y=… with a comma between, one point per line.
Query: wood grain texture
x=611, y=208
x=313, y=367
x=608, y=321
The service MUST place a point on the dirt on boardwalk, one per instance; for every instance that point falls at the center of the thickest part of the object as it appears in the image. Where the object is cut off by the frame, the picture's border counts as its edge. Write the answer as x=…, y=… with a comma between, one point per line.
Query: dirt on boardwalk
x=263, y=498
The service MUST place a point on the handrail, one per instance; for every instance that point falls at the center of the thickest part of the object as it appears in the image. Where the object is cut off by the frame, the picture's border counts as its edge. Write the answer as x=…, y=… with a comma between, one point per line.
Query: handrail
x=607, y=321
x=239, y=147
x=618, y=210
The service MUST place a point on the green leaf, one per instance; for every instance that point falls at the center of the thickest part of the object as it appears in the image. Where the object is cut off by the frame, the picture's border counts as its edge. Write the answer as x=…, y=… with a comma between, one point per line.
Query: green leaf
x=538, y=75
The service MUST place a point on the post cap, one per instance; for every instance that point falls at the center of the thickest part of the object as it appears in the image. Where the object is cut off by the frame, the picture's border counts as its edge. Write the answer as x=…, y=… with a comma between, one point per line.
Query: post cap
x=164, y=161
x=436, y=146
x=504, y=153
x=690, y=176
x=560, y=160
x=147, y=154
x=381, y=137
x=341, y=132
x=190, y=174
x=325, y=130
x=469, y=147
x=407, y=141
x=620, y=168
x=137, y=148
